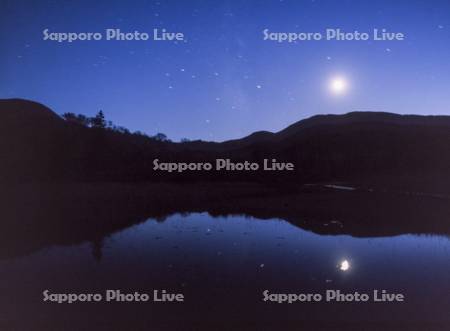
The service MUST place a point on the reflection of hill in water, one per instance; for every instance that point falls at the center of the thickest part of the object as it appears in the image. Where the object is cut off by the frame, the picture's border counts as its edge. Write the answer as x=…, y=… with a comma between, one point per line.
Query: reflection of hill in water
x=69, y=214
x=386, y=150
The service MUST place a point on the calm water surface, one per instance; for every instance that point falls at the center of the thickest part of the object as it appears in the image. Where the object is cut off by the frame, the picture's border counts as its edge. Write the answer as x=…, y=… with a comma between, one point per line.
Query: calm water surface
x=223, y=264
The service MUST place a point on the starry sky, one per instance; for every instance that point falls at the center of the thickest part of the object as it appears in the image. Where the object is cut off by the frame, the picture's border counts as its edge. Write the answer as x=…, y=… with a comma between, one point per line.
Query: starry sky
x=223, y=81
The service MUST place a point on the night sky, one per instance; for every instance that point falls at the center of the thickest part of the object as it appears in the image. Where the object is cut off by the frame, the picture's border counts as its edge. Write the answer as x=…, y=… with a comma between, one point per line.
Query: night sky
x=224, y=81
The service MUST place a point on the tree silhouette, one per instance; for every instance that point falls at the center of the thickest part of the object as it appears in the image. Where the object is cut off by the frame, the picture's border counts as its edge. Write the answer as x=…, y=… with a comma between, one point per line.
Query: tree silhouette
x=160, y=137
x=120, y=129
x=98, y=121
x=77, y=119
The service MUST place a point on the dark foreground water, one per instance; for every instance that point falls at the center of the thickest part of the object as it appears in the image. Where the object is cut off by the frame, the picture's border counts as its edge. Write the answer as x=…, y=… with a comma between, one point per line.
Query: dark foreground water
x=222, y=266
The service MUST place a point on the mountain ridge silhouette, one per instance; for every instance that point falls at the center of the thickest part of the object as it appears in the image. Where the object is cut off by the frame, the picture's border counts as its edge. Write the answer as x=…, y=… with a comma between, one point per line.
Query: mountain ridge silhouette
x=348, y=147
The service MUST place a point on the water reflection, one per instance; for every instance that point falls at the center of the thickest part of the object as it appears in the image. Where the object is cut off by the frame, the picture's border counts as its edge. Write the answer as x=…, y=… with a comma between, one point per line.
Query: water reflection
x=102, y=209
x=219, y=261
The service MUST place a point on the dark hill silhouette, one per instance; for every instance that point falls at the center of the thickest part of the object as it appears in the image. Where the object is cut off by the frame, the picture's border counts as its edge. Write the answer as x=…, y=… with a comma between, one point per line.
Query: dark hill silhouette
x=379, y=118
x=360, y=147
x=30, y=134
x=14, y=111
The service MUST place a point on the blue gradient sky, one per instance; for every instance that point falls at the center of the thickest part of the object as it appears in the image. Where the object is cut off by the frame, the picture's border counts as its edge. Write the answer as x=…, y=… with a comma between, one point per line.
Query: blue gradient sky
x=207, y=87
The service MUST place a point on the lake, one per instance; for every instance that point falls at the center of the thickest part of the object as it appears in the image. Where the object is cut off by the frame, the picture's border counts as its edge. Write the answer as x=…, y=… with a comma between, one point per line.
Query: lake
x=222, y=265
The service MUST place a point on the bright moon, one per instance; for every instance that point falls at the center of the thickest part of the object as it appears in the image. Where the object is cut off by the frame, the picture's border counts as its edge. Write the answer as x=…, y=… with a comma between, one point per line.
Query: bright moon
x=345, y=265
x=338, y=85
